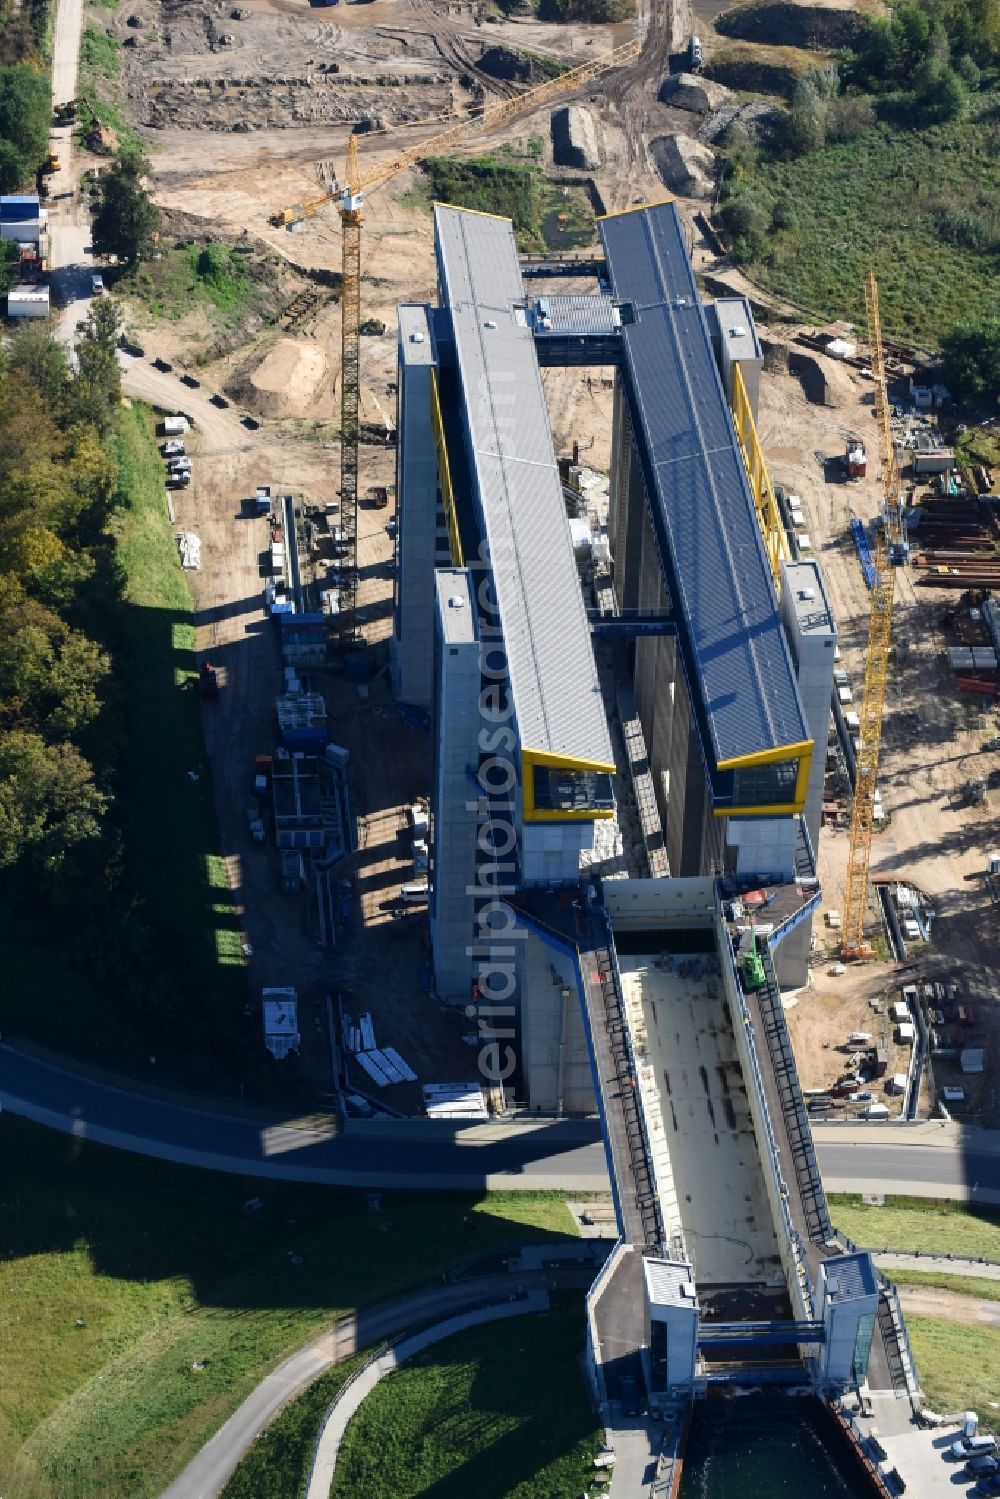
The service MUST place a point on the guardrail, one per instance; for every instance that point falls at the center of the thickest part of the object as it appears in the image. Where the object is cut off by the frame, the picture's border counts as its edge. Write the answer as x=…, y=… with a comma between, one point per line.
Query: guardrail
x=793, y=1107
x=756, y=1080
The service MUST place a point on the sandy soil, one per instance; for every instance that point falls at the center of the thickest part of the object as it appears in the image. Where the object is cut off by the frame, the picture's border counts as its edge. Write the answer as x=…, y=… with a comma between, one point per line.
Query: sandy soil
x=970, y=1310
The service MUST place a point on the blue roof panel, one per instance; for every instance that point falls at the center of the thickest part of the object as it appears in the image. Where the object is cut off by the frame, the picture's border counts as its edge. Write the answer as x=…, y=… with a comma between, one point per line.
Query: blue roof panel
x=703, y=506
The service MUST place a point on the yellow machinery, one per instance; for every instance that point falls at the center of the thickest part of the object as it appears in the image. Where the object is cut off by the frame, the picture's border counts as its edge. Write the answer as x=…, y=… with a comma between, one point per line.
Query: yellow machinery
x=351, y=199
x=890, y=538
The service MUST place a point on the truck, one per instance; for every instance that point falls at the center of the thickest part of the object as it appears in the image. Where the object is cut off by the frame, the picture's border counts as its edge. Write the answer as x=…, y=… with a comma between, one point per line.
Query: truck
x=855, y=459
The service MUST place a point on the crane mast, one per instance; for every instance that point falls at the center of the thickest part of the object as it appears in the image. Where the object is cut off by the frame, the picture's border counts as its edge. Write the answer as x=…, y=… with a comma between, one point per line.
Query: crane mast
x=350, y=197
x=890, y=548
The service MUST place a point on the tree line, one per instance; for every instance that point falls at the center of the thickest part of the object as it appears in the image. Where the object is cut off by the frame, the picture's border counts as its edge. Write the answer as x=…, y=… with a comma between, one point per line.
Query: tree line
x=25, y=91
x=58, y=491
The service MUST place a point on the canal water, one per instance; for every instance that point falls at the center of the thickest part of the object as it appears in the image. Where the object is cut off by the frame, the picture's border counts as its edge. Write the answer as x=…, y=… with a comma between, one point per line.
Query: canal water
x=767, y=1447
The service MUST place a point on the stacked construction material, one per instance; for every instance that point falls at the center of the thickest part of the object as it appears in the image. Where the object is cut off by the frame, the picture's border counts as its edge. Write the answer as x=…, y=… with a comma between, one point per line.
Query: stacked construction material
x=383, y=1065
x=454, y=1101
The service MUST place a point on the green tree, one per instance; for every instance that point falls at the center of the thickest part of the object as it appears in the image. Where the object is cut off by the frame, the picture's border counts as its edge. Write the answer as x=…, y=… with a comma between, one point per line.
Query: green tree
x=125, y=216
x=12, y=168
x=939, y=92
x=49, y=673
x=40, y=363
x=96, y=391
x=48, y=800
x=25, y=112
x=972, y=360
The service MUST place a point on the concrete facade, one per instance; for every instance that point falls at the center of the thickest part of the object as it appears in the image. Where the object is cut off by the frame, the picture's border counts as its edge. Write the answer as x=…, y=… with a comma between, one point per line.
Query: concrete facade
x=735, y=341
x=454, y=826
x=812, y=639
x=848, y=1304
x=418, y=505
x=555, y=1059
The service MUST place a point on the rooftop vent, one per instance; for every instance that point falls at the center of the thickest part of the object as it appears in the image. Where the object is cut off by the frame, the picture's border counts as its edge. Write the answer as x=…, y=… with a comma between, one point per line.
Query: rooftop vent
x=456, y=601
x=416, y=338
x=806, y=594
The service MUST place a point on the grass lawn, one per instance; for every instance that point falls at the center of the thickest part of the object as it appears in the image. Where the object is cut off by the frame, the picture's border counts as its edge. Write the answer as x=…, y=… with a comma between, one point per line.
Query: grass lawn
x=277, y=1464
x=501, y=1412
x=209, y=278
x=118, y=1274
x=931, y=1225
x=959, y=1367
x=891, y=198
x=546, y=215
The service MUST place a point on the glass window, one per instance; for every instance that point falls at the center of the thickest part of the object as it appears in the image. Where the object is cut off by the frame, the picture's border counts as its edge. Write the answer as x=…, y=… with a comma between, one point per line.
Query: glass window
x=560, y=789
x=765, y=785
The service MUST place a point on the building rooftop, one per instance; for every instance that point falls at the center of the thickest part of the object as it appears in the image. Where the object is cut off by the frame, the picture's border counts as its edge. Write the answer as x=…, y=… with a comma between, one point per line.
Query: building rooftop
x=458, y=618
x=15, y=207
x=415, y=334
x=741, y=675
x=804, y=582
x=553, y=676
x=670, y=1283
x=849, y=1275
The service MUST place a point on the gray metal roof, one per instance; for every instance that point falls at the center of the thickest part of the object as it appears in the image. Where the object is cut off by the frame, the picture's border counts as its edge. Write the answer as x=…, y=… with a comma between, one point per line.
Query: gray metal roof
x=582, y=314
x=556, y=693
x=703, y=506
x=415, y=334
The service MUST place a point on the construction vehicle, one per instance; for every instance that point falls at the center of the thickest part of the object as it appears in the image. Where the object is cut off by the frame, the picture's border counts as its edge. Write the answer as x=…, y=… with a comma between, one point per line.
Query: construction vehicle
x=351, y=198
x=881, y=601
x=855, y=459
x=65, y=113
x=52, y=164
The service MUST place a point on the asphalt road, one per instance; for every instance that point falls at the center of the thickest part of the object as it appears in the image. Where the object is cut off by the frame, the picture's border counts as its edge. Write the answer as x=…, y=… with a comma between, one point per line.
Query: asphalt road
x=932, y=1160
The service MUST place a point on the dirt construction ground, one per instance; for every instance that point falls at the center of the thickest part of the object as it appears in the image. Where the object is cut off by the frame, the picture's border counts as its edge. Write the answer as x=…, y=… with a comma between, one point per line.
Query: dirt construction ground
x=246, y=109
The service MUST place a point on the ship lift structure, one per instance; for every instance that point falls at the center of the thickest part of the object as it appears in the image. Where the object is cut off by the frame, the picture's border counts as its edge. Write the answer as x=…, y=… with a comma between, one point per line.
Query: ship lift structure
x=350, y=196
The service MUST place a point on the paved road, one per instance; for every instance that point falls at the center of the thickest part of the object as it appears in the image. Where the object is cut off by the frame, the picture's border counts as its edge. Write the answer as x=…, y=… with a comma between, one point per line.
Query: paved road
x=927, y=1161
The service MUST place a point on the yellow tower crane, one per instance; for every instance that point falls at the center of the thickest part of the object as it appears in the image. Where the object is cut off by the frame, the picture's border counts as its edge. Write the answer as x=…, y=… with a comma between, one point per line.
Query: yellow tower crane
x=350, y=196
x=889, y=549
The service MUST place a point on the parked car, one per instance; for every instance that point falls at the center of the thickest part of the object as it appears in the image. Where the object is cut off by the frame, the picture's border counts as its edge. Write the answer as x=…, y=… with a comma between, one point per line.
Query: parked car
x=173, y=449
x=863, y=1097
x=162, y=366
x=97, y=286
x=179, y=466
x=178, y=481
x=977, y=1446
x=982, y=1467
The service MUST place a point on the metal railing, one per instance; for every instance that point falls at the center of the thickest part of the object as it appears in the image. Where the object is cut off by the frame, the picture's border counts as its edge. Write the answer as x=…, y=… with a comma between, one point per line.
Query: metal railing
x=756, y=1079
x=793, y=1108
x=627, y=1079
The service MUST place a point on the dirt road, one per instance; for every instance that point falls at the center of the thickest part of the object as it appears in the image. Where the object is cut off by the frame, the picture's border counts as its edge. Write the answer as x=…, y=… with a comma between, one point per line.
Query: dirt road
x=973, y=1311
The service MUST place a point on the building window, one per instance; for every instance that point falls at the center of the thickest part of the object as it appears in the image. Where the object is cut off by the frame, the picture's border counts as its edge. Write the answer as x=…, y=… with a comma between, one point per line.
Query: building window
x=560, y=789
x=765, y=785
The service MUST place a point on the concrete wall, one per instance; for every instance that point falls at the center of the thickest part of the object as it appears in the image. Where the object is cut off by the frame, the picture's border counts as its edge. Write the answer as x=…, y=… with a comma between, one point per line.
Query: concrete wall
x=555, y=1060
x=792, y=1264
x=550, y=851
x=626, y=505
x=454, y=827
x=643, y=905
x=417, y=518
